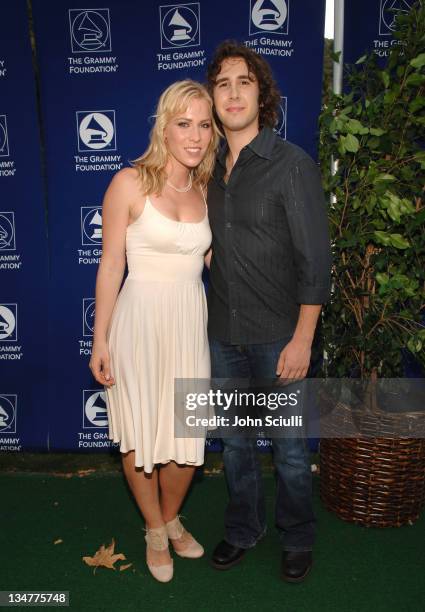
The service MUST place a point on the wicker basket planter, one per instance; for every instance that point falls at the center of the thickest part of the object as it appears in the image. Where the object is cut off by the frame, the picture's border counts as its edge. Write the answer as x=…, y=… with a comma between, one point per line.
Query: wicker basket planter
x=375, y=481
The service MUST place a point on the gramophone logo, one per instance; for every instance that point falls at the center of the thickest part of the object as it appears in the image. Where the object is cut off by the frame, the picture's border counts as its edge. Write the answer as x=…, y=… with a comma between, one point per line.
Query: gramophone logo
x=7, y=231
x=4, y=141
x=269, y=16
x=90, y=30
x=389, y=11
x=91, y=225
x=96, y=130
x=180, y=25
x=88, y=316
x=8, y=405
x=282, y=117
x=95, y=412
x=8, y=322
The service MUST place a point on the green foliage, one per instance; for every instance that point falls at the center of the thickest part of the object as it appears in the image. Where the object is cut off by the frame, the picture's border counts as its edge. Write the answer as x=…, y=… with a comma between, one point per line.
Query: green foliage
x=327, y=69
x=377, y=214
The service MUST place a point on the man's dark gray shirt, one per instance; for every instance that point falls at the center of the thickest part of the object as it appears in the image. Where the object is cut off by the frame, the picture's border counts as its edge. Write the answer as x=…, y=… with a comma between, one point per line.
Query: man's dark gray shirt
x=271, y=249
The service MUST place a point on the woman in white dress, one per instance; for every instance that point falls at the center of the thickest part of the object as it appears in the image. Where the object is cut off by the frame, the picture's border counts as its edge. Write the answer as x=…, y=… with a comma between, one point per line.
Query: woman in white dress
x=153, y=330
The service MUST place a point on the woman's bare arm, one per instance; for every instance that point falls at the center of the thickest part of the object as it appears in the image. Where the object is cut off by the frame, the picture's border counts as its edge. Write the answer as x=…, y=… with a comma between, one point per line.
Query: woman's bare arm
x=207, y=259
x=118, y=200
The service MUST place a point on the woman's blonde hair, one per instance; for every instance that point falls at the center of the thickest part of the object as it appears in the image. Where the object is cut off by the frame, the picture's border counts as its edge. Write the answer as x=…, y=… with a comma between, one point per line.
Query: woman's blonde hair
x=151, y=165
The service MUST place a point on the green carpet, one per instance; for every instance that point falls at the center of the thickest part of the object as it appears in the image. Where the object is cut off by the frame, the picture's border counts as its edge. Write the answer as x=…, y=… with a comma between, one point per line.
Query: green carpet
x=355, y=569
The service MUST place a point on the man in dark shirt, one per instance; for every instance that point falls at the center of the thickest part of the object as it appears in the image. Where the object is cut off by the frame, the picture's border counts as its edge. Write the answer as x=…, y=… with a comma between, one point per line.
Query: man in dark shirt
x=269, y=275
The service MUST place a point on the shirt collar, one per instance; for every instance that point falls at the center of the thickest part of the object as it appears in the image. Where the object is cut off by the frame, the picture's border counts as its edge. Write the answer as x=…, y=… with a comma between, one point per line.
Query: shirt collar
x=262, y=145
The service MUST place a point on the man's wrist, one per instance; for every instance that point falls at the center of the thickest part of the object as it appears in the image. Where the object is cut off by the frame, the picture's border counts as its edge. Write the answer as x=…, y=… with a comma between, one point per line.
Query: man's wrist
x=303, y=338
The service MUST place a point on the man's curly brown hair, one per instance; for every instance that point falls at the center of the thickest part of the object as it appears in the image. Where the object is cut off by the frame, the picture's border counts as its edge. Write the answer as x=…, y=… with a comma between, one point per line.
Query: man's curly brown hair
x=269, y=98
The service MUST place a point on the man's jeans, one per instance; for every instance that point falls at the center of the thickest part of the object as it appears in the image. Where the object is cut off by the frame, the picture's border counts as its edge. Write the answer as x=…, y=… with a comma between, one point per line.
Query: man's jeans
x=245, y=517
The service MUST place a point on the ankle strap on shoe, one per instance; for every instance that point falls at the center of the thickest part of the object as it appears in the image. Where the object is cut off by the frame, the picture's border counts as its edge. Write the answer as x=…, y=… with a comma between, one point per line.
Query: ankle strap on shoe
x=157, y=538
x=175, y=529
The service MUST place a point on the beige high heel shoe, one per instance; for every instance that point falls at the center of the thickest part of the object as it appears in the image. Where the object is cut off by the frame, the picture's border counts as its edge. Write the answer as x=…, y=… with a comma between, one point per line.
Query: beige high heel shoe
x=157, y=539
x=175, y=530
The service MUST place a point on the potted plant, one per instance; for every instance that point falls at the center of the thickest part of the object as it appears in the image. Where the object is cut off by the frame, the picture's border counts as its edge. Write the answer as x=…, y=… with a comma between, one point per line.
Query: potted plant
x=376, y=132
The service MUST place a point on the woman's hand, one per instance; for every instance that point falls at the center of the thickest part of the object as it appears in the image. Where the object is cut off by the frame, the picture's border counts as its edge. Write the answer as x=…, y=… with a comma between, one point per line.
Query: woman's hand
x=100, y=365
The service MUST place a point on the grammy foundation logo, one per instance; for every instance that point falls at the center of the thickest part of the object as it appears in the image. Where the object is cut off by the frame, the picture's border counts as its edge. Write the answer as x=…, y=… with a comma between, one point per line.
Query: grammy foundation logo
x=269, y=16
x=8, y=322
x=90, y=30
x=91, y=225
x=7, y=231
x=4, y=142
x=180, y=25
x=95, y=412
x=389, y=11
x=8, y=413
x=96, y=130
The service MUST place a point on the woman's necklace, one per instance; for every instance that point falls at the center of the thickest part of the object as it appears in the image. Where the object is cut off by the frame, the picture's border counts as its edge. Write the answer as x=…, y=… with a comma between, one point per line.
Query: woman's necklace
x=182, y=189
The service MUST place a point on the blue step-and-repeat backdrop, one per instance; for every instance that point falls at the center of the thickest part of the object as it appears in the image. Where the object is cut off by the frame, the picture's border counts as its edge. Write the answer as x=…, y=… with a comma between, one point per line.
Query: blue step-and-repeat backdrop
x=370, y=25
x=101, y=70
x=23, y=245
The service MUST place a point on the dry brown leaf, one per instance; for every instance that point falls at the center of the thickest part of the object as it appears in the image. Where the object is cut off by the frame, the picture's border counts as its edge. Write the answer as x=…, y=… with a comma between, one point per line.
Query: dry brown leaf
x=105, y=557
x=59, y=541
x=82, y=473
x=124, y=567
